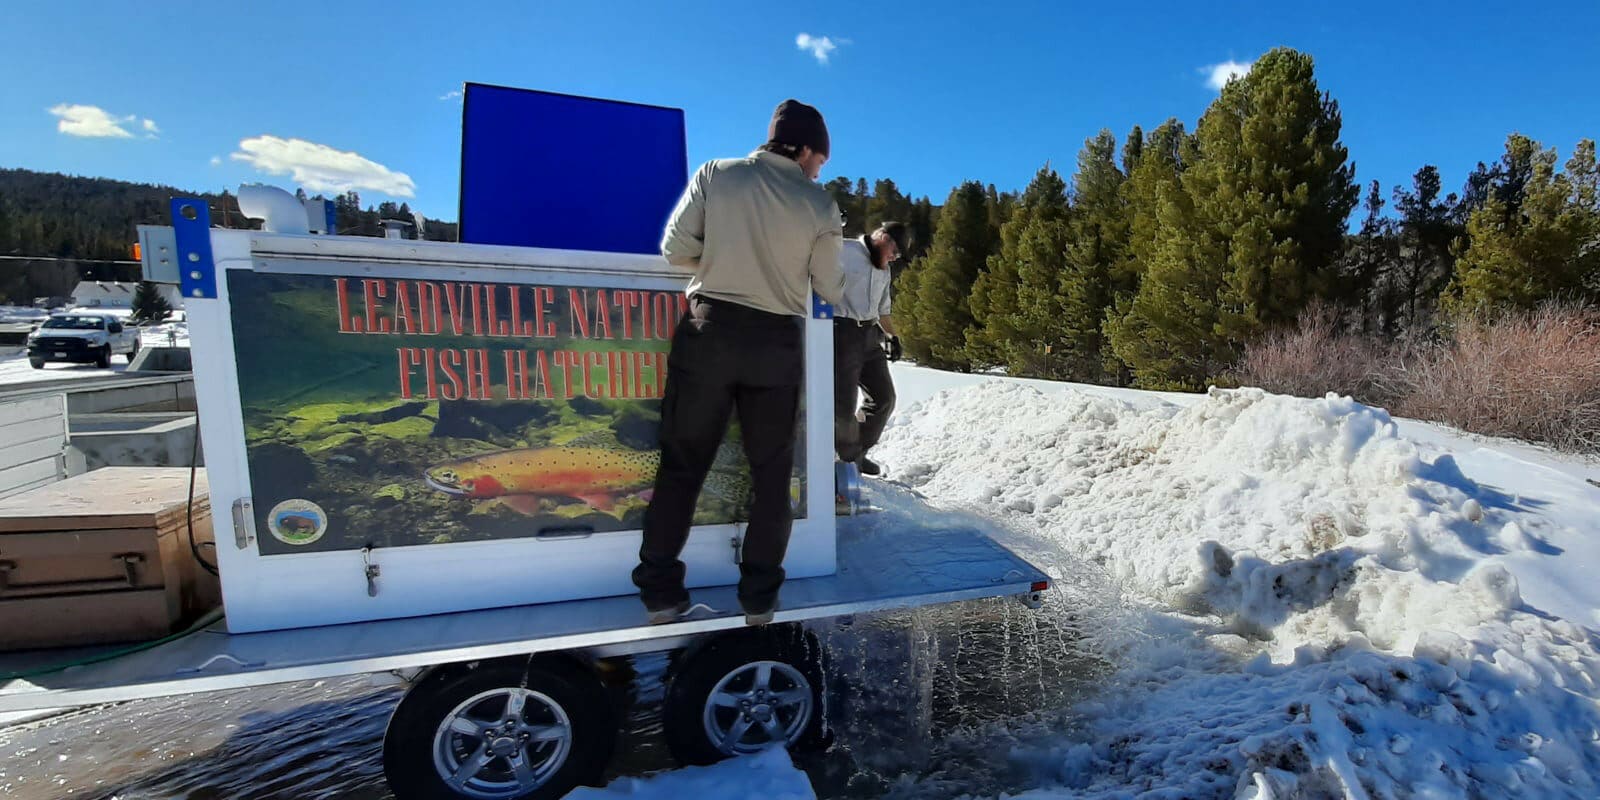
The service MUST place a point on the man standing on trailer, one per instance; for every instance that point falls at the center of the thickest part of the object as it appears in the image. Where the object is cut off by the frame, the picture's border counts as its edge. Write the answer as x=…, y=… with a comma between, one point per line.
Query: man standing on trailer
x=760, y=235
x=864, y=342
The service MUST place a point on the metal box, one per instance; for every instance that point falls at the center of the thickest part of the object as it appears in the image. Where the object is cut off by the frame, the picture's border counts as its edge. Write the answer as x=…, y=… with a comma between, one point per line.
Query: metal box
x=102, y=557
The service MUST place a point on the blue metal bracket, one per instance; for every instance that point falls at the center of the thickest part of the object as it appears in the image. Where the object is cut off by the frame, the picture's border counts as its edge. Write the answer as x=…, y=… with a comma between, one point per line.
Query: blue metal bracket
x=820, y=308
x=191, y=226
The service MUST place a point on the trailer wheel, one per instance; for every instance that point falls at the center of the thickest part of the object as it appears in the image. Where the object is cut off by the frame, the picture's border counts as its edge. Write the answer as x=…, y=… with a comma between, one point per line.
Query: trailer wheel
x=745, y=692
x=504, y=730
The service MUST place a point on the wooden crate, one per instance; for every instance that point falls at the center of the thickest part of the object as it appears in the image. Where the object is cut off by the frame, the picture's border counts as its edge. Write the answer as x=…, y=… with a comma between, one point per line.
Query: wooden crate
x=103, y=557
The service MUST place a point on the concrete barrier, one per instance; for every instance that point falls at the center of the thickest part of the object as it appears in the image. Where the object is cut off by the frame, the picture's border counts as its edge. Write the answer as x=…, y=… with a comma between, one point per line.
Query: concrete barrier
x=155, y=393
x=136, y=439
x=161, y=359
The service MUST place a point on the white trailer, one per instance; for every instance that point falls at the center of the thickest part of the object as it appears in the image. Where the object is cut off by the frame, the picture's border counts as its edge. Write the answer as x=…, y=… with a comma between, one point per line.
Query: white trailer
x=496, y=630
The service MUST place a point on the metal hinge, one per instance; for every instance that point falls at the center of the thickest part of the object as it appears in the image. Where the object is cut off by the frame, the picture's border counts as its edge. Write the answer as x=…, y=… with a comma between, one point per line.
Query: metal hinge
x=244, y=522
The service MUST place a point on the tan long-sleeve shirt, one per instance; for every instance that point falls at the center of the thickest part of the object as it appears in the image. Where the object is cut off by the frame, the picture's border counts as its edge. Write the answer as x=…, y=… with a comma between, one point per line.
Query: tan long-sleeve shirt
x=759, y=233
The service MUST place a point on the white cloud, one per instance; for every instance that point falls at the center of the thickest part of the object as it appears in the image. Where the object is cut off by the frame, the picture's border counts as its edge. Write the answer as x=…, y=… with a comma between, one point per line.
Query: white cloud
x=1218, y=75
x=216, y=161
x=320, y=168
x=820, y=47
x=150, y=128
x=90, y=122
x=454, y=94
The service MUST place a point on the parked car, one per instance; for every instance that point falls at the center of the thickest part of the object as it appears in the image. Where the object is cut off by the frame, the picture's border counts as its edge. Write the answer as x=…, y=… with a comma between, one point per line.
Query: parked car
x=82, y=338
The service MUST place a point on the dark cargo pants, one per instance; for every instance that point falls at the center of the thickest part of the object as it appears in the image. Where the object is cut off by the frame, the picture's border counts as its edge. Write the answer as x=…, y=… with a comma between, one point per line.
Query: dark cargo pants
x=725, y=357
x=859, y=364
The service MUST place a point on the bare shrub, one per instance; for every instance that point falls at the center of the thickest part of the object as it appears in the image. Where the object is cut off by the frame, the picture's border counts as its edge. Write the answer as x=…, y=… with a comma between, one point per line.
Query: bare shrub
x=1315, y=357
x=1532, y=375
x=1529, y=375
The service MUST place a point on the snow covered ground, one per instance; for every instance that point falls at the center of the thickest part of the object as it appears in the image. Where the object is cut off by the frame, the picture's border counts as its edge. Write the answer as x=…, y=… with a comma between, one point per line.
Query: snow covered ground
x=15, y=370
x=1317, y=600
x=769, y=776
x=166, y=334
x=1324, y=602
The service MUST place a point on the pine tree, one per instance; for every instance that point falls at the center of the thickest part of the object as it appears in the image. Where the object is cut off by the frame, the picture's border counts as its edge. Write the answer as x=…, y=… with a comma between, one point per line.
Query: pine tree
x=1016, y=301
x=1424, y=263
x=839, y=189
x=1168, y=337
x=856, y=223
x=1534, y=238
x=904, y=286
x=1152, y=164
x=919, y=228
x=938, y=316
x=1251, y=238
x=1365, y=286
x=1283, y=187
x=1097, y=246
x=148, y=304
x=887, y=203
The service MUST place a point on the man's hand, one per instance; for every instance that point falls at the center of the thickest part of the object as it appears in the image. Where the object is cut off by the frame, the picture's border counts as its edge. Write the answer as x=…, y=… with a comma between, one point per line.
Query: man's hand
x=892, y=346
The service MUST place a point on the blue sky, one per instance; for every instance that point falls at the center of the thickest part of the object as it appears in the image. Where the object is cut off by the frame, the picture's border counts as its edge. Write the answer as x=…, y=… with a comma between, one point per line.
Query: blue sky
x=927, y=93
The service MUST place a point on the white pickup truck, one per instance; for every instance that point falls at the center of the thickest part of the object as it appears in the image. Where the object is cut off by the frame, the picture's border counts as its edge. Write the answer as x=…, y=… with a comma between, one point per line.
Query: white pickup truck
x=82, y=337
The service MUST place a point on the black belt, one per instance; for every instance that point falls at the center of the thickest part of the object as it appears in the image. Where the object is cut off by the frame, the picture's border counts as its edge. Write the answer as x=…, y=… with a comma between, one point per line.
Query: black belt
x=736, y=314
x=859, y=323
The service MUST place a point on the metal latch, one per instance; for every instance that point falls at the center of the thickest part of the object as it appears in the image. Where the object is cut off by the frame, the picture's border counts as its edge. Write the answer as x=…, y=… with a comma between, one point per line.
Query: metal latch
x=371, y=571
x=738, y=547
x=130, y=566
x=244, y=521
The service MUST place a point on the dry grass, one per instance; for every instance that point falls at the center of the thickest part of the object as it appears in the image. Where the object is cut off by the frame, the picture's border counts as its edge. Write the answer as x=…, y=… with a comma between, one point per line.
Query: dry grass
x=1531, y=375
x=1314, y=358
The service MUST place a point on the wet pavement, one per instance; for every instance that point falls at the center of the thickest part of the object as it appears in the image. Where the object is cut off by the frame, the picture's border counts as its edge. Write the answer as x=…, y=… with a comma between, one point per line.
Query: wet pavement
x=936, y=702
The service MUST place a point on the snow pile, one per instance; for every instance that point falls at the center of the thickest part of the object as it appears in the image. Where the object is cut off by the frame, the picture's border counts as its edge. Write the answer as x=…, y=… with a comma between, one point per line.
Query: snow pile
x=1331, y=611
x=769, y=775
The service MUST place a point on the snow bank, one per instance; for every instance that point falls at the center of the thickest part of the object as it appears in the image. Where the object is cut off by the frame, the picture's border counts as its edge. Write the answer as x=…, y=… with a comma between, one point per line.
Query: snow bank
x=769, y=775
x=1333, y=610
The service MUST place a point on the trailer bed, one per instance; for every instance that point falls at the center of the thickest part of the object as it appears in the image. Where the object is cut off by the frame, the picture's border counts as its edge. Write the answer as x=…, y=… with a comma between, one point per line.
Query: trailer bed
x=887, y=560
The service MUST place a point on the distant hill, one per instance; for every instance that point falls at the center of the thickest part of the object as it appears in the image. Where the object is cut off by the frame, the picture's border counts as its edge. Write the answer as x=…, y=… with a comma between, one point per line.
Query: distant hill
x=54, y=216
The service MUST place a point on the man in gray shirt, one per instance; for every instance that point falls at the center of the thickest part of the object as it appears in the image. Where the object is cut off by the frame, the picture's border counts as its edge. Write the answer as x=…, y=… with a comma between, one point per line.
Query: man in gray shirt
x=864, y=342
x=760, y=235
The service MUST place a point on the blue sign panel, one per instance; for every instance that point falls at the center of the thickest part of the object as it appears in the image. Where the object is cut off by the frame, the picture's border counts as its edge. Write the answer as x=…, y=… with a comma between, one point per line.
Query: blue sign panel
x=551, y=170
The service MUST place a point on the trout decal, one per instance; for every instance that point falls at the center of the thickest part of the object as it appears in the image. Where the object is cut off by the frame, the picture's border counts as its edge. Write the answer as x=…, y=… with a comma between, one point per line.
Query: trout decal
x=598, y=476
x=592, y=469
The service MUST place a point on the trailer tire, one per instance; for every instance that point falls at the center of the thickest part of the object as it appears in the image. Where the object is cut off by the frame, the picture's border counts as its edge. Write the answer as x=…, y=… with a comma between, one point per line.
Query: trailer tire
x=744, y=713
x=457, y=720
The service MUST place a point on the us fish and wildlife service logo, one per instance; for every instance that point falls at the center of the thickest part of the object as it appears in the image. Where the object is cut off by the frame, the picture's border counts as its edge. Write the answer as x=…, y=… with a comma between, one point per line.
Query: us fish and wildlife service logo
x=297, y=522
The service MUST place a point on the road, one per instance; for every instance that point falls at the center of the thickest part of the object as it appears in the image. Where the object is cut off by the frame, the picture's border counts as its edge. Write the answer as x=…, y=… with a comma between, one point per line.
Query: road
x=15, y=371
